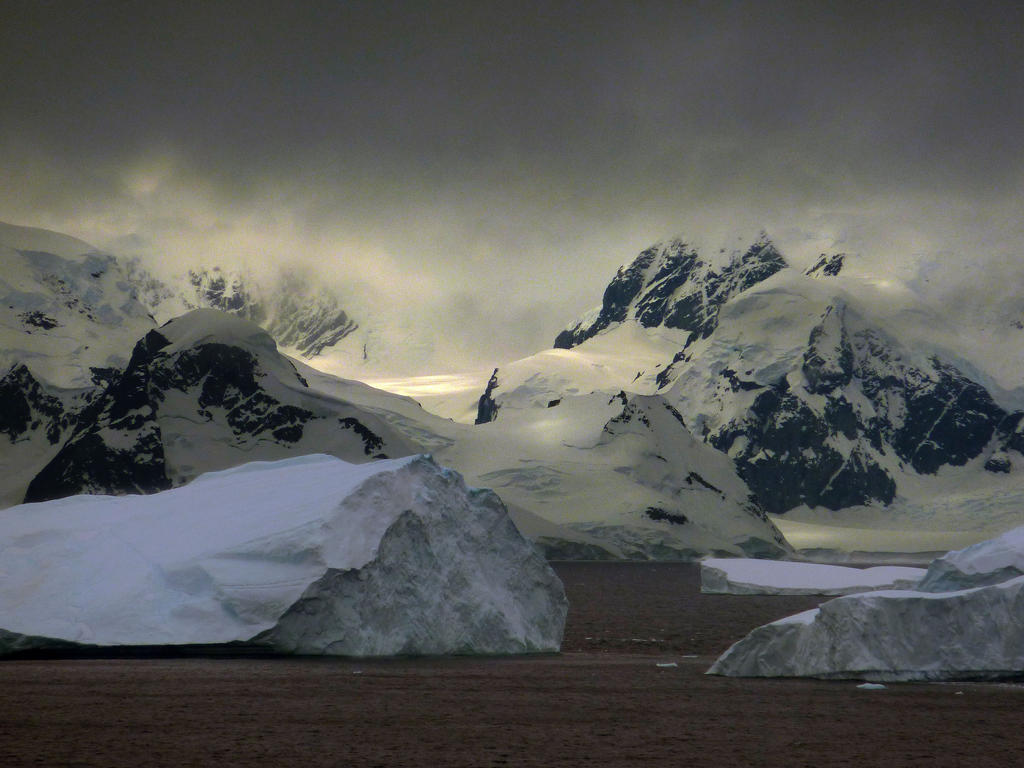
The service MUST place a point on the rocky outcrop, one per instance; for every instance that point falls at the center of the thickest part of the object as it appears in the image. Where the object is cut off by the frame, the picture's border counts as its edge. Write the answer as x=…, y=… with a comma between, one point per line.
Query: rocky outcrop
x=827, y=265
x=487, y=408
x=28, y=407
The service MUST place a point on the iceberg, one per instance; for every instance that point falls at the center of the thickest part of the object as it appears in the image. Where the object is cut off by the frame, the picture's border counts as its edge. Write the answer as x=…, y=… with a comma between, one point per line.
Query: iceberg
x=892, y=635
x=309, y=555
x=987, y=562
x=745, y=576
x=965, y=620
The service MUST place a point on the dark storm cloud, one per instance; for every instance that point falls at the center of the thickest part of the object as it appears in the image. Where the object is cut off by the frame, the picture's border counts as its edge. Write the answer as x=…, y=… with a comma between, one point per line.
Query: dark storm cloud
x=471, y=140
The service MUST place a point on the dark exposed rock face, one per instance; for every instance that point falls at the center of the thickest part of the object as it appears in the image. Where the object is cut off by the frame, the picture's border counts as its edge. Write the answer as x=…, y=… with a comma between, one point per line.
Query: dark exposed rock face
x=27, y=407
x=657, y=513
x=672, y=285
x=372, y=442
x=827, y=266
x=35, y=420
x=787, y=458
x=117, y=447
x=38, y=320
x=487, y=409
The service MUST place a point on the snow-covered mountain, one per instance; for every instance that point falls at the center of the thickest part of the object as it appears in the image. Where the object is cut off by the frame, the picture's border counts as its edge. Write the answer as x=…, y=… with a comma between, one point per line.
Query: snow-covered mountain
x=591, y=476
x=67, y=307
x=827, y=390
x=709, y=388
x=205, y=391
x=343, y=326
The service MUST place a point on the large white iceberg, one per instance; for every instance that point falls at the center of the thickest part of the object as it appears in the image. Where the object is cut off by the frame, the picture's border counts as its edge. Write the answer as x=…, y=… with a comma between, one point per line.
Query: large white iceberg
x=892, y=635
x=987, y=562
x=308, y=555
x=748, y=576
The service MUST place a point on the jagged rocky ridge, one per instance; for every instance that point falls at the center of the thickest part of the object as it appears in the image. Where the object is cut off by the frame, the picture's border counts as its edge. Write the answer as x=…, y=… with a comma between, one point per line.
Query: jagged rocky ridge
x=203, y=392
x=671, y=285
x=301, y=315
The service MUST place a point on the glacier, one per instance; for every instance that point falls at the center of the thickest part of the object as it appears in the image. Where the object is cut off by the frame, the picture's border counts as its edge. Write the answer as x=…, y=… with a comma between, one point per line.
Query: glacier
x=748, y=576
x=308, y=555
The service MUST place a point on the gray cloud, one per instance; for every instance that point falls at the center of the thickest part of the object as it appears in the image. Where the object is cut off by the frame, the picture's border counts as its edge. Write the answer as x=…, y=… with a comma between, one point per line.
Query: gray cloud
x=515, y=153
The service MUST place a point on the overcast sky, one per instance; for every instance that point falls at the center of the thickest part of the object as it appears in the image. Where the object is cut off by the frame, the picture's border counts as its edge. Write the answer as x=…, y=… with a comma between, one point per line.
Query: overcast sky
x=487, y=166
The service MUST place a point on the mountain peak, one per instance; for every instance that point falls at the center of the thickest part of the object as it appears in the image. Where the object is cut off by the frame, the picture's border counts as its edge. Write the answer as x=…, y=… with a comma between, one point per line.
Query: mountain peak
x=670, y=284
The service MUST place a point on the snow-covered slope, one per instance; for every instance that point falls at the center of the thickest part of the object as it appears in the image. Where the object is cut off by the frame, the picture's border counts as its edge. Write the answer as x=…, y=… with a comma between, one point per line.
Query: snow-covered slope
x=592, y=476
x=66, y=311
x=305, y=555
x=206, y=391
x=614, y=469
